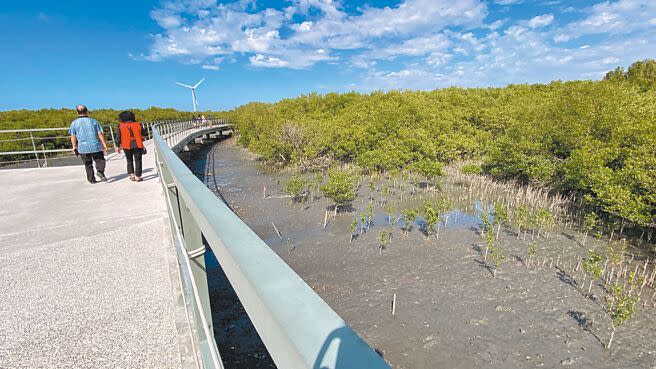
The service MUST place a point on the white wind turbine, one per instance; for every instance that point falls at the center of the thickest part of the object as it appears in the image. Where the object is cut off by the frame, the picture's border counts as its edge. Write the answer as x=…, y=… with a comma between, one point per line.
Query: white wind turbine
x=193, y=91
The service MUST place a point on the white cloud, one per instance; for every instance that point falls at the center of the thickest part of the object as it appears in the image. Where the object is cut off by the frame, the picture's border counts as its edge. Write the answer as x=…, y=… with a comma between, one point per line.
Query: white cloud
x=415, y=44
x=507, y=2
x=615, y=17
x=198, y=29
x=541, y=21
x=260, y=60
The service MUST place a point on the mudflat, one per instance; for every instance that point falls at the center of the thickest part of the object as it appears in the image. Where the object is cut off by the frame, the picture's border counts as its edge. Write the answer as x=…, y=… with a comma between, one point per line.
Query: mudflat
x=450, y=311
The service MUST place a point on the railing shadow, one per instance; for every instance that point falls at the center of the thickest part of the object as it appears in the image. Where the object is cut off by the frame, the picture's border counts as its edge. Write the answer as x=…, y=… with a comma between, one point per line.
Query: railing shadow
x=342, y=349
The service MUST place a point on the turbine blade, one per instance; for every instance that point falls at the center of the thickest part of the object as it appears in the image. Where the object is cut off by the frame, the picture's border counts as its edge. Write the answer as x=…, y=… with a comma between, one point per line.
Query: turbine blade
x=199, y=82
x=184, y=85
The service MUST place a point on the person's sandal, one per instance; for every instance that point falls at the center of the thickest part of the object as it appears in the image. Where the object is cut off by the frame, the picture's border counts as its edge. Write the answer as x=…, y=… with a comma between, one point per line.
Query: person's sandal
x=138, y=179
x=132, y=177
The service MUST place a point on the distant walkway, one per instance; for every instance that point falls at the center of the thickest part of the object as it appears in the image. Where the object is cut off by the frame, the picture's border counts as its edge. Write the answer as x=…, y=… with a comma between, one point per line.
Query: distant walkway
x=87, y=272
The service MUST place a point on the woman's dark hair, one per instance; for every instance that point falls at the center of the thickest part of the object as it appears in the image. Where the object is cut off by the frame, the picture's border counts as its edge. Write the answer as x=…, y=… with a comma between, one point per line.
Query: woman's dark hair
x=126, y=116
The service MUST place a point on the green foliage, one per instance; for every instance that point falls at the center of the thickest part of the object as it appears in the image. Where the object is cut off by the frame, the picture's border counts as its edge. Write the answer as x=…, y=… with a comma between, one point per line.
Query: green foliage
x=384, y=239
x=532, y=249
x=593, y=139
x=641, y=73
x=621, y=305
x=431, y=218
x=591, y=265
x=522, y=218
x=544, y=220
x=471, y=169
x=55, y=118
x=429, y=169
x=590, y=221
x=340, y=186
x=354, y=225
x=296, y=186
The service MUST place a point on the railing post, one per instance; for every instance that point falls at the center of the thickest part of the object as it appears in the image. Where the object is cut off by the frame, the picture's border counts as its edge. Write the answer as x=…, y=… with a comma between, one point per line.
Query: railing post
x=194, y=240
x=45, y=158
x=111, y=133
x=36, y=155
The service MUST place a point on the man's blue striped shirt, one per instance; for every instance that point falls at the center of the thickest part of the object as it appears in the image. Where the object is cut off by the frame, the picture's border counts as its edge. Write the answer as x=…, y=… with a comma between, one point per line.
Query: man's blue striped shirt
x=86, y=131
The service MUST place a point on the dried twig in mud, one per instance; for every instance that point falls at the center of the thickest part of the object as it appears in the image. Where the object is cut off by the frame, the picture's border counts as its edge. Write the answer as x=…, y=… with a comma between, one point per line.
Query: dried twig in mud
x=264, y=194
x=276, y=229
x=325, y=220
x=394, y=305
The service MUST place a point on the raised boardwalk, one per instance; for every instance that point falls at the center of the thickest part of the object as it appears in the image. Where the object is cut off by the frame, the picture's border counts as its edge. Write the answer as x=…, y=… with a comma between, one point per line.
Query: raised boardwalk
x=87, y=272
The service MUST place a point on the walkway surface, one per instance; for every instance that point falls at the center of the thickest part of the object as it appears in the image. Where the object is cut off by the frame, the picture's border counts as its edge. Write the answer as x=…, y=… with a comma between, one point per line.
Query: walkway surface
x=87, y=272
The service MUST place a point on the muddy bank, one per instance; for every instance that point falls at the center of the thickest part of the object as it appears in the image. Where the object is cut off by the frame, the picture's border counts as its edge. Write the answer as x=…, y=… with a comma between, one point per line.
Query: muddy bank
x=450, y=312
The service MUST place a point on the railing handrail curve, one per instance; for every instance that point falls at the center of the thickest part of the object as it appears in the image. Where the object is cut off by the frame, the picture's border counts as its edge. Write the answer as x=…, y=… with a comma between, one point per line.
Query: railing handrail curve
x=298, y=328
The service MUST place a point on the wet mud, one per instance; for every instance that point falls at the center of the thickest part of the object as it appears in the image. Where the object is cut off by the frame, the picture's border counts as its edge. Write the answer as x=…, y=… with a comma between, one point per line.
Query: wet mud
x=450, y=311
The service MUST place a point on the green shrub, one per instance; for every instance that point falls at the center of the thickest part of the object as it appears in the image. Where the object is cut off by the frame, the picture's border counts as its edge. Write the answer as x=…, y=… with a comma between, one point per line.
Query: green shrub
x=340, y=187
x=471, y=169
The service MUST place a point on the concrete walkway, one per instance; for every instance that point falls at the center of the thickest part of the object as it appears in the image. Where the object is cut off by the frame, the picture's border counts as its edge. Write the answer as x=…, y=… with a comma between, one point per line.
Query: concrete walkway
x=87, y=272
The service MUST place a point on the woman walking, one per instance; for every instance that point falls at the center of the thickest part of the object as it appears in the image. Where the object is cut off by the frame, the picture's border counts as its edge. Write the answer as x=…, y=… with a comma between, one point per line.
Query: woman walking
x=129, y=138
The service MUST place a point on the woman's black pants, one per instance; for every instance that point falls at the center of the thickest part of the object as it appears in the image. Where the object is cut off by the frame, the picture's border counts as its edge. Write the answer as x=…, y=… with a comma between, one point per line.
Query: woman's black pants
x=133, y=156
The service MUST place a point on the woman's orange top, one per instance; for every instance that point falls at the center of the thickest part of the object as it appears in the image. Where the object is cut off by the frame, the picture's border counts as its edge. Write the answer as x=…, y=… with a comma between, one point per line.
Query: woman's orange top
x=131, y=137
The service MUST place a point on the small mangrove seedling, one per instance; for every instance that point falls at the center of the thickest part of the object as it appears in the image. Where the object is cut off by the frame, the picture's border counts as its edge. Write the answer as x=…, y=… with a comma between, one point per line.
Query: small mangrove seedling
x=409, y=216
x=383, y=240
x=620, y=306
x=531, y=251
x=363, y=223
x=370, y=214
x=486, y=231
x=592, y=267
x=497, y=257
x=522, y=219
x=389, y=210
x=501, y=218
x=590, y=222
x=544, y=221
x=431, y=218
x=354, y=226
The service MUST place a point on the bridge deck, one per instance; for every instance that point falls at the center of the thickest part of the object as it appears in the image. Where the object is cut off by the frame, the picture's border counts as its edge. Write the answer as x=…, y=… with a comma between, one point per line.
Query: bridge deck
x=87, y=272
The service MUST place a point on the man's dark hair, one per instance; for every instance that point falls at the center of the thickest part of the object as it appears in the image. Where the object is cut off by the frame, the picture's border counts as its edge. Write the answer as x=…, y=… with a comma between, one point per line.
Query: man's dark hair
x=126, y=116
x=81, y=110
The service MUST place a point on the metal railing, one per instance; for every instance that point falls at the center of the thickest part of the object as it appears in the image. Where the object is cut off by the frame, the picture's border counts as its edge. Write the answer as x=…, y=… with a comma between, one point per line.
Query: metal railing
x=40, y=144
x=297, y=327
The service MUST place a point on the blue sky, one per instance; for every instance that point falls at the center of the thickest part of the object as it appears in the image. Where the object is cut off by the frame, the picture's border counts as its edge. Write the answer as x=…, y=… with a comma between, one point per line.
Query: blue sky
x=121, y=54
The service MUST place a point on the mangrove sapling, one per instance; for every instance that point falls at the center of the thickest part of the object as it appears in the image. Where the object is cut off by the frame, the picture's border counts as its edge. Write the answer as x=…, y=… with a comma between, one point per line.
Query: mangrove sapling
x=486, y=231
x=592, y=267
x=522, y=219
x=389, y=210
x=431, y=218
x=620, y=306
x=297, y=187
x=340, y=187
x=370, y=214
x=544, y=219
x=383, y=240
x=497, y=256
x=590, y=222
x=409, y=216
x=354, y=226
x=443, y=206
x=501, y=218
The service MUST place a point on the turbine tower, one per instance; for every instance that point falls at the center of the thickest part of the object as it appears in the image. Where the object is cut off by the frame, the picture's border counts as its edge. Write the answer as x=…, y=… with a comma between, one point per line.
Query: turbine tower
x=193, y=91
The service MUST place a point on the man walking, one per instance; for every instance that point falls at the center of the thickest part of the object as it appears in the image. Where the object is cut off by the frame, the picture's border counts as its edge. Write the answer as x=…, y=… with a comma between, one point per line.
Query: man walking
x=88, y=142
